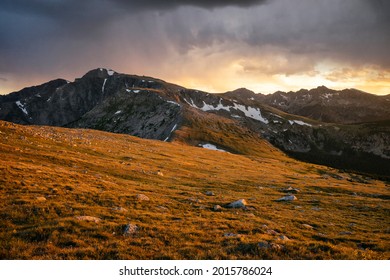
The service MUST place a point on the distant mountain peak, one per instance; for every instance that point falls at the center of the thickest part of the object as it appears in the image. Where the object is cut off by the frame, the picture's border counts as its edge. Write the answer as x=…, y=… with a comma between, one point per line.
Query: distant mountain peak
x=240, y=93
x=323, y=88
x=243, y=91
x=100, y=73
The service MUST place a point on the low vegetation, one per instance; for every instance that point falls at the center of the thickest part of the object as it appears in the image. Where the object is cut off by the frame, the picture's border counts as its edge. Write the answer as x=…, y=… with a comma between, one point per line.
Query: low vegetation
x=84, y=194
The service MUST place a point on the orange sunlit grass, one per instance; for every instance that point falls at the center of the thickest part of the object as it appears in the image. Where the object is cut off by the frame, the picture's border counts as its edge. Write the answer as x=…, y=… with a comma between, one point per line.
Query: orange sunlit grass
x=69, y=194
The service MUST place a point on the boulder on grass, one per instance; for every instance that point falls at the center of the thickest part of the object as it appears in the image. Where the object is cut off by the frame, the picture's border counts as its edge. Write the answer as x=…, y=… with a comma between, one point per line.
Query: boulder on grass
x=241, y=203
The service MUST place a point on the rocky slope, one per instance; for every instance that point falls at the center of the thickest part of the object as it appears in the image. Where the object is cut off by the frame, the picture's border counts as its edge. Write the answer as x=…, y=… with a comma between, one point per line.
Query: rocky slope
x=235, y=121
x=333, y=106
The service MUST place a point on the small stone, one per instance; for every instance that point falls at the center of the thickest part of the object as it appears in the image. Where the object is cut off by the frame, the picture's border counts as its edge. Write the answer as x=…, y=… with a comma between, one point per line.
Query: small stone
x=229, y=234
x=283, y=237
x=130, y=230
x=291, y=190
x=41, y=199
x=209, y=193
x=88, y=219
x=159, y=173
x=120, y=209
x=195, y=200
x=307, y=226
x=162, y=208
x=217, y=208
x=287, y=198
x=241, y=203
x=264, y=245
x=345, y=233
x=142, y=197
x=276, y=246
x=272, y=232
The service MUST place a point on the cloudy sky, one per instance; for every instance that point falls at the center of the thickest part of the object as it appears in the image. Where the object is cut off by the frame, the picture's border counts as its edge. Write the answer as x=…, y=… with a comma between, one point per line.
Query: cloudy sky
x=214, y=45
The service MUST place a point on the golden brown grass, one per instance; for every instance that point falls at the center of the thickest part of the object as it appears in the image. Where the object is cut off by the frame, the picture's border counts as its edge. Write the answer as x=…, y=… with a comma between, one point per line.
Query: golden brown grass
x=51, y=176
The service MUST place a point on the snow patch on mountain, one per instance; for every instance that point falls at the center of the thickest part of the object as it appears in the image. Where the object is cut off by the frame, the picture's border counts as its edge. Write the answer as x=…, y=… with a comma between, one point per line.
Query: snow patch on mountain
x=104, y=83
x=212, y=147
x=276, y=115
x=173, y=102
x=21, y=107
x=327, y=95
x=251, y=112
x=170, y=133
x=298, y=122
x=133, y=90
x=109, y=71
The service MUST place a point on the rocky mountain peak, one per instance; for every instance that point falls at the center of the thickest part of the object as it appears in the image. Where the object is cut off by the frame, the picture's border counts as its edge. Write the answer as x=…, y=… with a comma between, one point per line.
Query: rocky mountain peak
x=323, y=88
x=243, y=91
x=102, y=73
x=241, y=94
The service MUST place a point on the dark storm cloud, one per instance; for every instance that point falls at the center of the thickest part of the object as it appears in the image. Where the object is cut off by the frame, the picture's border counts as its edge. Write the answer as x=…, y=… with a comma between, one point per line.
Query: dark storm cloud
x=53, y=36
x=82, y=19
x=200, y=3
x=64, y=7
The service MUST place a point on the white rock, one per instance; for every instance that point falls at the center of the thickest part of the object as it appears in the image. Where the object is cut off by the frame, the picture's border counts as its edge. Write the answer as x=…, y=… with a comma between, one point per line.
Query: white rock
x=241, y=203
x=287, y=198
x=307, y=226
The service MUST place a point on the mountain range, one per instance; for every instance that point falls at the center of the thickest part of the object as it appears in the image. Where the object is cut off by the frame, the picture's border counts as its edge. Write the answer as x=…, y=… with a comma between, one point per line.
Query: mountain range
x=346, y=129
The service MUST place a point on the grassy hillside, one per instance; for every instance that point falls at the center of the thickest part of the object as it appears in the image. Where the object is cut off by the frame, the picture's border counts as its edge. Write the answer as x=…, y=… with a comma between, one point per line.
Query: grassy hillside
x=71, y=194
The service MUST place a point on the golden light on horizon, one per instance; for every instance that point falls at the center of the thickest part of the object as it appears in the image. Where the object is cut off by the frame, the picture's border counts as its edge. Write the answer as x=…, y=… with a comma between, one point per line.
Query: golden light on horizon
x=368, y=79
x=230, y=77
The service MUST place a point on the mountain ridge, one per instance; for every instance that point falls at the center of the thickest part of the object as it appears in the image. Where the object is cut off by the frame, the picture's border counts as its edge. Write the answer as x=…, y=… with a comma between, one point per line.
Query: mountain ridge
x=152, y=108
